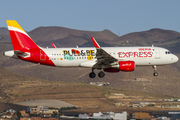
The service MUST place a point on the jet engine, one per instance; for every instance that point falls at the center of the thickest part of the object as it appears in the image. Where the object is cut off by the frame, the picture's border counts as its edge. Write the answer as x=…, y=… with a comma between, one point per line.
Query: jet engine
x=126, y=66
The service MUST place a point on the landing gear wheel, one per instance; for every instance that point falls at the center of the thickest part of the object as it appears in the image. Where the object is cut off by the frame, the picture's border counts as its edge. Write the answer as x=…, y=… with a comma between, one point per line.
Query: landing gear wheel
x=101, y=74
x=92, y=75
x=155, y=69
x=155, y=74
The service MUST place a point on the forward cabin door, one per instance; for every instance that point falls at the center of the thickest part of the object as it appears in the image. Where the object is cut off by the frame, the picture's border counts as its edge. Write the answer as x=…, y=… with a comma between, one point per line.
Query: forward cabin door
x=157, y=54
x=42, y=55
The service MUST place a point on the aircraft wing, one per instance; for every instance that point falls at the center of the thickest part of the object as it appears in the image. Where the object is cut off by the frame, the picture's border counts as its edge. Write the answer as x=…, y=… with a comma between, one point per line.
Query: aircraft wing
x=103, y=58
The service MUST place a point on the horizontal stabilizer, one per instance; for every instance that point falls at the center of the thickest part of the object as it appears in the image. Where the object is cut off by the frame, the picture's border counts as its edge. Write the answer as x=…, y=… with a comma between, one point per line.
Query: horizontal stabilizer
x=20, y=53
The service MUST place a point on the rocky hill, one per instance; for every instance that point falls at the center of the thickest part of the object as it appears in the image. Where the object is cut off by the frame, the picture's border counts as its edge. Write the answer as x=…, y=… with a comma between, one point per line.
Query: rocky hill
x=154, y=36
x=65, y=37
x=3, y=30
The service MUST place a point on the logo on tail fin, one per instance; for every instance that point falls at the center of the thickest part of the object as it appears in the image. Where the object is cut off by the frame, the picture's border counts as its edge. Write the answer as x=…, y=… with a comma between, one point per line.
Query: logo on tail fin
x=20, y=39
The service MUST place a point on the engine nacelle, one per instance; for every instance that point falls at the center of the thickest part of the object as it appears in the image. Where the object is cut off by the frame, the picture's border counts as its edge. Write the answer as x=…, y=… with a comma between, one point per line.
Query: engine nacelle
x=126, y=66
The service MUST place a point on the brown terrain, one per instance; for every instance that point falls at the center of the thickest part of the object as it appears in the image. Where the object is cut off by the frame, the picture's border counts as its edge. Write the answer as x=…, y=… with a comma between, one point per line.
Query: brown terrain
x=22, y=81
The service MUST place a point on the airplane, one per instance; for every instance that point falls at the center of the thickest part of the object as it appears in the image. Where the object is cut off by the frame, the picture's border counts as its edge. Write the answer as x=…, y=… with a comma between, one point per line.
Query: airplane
x=105, y=59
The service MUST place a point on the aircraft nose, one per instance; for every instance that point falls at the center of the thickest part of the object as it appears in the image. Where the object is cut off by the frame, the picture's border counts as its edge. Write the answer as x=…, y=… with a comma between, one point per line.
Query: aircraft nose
x=175, y=58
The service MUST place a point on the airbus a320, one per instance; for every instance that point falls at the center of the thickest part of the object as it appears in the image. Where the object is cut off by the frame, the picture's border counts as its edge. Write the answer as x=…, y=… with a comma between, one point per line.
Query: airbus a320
x=105, y=59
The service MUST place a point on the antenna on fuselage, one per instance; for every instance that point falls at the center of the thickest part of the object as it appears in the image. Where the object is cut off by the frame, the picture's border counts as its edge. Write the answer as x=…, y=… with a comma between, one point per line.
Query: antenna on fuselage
x=152, y=45
x=77, y=46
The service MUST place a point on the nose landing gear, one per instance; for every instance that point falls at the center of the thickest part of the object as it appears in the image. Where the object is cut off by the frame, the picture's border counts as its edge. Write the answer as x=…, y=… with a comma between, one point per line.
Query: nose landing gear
x=155, y=69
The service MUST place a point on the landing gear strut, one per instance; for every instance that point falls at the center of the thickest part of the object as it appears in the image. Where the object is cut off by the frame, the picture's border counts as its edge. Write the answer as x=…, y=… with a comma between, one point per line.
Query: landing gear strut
x=155, y=69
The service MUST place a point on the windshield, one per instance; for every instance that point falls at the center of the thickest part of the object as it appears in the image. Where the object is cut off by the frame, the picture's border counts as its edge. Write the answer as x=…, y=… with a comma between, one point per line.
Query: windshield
x=168, y=52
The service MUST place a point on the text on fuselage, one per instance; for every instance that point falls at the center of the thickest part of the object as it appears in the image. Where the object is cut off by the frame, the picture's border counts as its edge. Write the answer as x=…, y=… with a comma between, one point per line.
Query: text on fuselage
x=142, y=52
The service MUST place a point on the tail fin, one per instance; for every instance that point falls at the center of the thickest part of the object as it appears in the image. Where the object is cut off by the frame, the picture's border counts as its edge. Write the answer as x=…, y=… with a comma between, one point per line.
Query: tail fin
x=20, y=39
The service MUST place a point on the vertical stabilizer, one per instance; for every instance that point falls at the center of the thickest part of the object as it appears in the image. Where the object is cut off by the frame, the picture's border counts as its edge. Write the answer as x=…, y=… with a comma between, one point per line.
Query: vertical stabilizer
x=20, y=39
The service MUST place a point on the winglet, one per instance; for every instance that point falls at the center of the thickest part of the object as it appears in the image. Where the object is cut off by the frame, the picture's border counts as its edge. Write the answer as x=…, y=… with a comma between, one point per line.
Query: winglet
x=53, y=45
x=96, y=45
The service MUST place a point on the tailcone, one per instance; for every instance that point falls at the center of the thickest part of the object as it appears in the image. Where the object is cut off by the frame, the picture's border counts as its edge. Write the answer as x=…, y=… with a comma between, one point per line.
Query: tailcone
x=10, y=54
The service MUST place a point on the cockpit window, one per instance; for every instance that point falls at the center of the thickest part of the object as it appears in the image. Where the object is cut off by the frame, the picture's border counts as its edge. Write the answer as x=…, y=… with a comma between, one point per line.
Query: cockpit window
x=168, y=52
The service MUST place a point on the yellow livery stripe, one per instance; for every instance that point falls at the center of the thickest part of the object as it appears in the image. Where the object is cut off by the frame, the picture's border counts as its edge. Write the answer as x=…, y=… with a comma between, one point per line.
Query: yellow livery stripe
x=13, y=23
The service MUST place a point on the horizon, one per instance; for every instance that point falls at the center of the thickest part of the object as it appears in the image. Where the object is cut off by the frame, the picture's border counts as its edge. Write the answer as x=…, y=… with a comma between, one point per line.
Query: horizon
x=120, y=17
x=92, y=31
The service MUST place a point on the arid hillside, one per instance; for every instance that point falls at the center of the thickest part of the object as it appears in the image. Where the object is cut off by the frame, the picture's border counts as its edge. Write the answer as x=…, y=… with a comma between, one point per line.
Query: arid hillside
x=153, y=36
x=16, y=88
x=65, y=37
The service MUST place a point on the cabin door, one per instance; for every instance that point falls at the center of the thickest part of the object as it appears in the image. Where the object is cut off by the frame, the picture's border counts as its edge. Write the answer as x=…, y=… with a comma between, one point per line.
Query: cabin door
x=157, y=54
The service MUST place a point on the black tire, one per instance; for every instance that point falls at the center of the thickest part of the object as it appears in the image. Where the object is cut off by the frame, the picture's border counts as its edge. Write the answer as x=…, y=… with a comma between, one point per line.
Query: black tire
x=101, y=74
x=92, y=75
x=155, y=74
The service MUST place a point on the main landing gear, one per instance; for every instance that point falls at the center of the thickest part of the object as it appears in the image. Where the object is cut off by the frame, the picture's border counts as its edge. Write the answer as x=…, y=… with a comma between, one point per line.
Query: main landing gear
x=93, y=75
x=155, y=69
x=101, y=74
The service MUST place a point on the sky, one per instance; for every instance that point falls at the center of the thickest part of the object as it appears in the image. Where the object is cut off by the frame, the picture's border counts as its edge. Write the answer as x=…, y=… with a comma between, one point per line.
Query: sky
x=119, y=16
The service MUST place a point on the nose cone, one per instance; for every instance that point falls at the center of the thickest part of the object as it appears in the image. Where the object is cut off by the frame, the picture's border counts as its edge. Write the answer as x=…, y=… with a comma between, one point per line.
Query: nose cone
x=175, y=58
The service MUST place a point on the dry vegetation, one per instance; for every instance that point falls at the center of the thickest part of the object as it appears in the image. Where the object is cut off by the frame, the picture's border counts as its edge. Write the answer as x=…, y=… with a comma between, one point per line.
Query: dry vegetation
x=16, y=88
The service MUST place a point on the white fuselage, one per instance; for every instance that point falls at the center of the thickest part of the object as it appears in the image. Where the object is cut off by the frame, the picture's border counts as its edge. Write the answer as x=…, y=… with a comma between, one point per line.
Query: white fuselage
x=86, y=57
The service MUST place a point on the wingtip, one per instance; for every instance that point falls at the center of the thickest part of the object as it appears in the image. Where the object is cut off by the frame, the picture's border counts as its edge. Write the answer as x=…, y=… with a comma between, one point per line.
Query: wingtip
x=96, y=45
x=53, y=45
